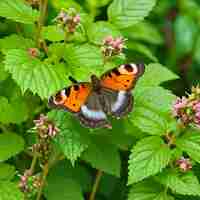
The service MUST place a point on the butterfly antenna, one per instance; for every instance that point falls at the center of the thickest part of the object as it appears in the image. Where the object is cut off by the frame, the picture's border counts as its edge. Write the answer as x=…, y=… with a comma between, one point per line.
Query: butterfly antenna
x=72, y=79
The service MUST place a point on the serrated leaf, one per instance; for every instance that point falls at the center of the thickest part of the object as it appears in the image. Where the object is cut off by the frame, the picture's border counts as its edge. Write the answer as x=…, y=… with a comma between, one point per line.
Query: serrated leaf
x=127, y=13
x=31, y=73
x=10, y=191
x=154, y=75
x=6, y=171
x=3, y=74
x=53, y=33
x=190, y=143
x=10, y=145
x=142, y=49
x=148, y=157
x=103, y=155
x=72, y=139
x=84, y=60
x=99, y=30
x=144, y=31
x=148, y=190
x=15, y=42
x=152, y=110
x=186, y=184
x=18, y=11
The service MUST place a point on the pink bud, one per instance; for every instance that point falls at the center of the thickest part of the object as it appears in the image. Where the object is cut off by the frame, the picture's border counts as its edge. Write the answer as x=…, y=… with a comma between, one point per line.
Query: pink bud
x=77, y=19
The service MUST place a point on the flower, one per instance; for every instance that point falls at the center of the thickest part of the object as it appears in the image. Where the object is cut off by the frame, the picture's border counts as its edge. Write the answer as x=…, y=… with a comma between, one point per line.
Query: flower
x=33, y=52
x=184, y=164
x=112, y=46
x=45, y=127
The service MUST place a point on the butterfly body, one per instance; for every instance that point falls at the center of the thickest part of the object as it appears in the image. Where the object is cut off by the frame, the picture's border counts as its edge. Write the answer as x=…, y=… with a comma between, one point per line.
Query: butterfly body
x=109, y=95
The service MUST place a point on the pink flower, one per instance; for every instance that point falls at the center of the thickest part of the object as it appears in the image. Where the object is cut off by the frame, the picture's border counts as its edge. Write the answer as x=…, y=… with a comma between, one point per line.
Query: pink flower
x=184, y=164
x=77, y=19
x=33, y=52
x=179, y=105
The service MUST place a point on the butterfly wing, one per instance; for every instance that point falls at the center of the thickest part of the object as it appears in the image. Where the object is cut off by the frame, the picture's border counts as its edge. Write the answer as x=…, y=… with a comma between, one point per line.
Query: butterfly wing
x=80, y=100
x=116, y=88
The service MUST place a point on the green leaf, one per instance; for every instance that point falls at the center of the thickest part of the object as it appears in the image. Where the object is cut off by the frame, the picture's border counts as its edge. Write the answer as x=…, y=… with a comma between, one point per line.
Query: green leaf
x=103, y=155
x=148, y=190
x=148, y=157
x=6, y=171
x=18, y=11
x=185, y=34
x=10, y=191
x=186, y=184
x=10, y=145
x=190, y=143
x=84, y=60
x=31, y=73
x=127, y=13
x=144, y=31
x=152, y=112
x=3, y=74
x=15, y=111
x=154, y=75
x=53, y=33
x=142, y=49
x=72, y=139
x=97, y=3
x=15, y=42
x=99, y=30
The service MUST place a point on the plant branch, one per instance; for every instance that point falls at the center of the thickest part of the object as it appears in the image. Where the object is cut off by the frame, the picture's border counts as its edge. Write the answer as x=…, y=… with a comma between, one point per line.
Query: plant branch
x=43, y=179
x=96, y=185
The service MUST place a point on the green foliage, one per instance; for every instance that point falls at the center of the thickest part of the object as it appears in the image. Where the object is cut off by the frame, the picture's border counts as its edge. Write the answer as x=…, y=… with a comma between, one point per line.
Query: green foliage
x=11, y=144
x=148, y=157
x=10, y=191
x=18, y=11
x=7, y=171
x=186, y=184
x=127, y=13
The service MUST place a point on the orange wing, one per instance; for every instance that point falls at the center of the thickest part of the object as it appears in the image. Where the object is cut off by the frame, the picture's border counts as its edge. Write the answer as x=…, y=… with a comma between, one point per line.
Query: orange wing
x=123, y=77
x=71, y=98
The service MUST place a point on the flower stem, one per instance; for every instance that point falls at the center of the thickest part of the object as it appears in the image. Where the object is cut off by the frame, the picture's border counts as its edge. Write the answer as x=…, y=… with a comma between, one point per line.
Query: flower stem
x=96, y=185
x=43, y=13
x=44, y=175
x=33, y=163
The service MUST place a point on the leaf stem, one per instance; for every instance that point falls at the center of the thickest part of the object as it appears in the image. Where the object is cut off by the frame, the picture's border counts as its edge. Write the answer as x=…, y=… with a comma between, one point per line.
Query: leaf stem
x=44, y=175
x=43, y=13
x=96, y=185
x=33, y=163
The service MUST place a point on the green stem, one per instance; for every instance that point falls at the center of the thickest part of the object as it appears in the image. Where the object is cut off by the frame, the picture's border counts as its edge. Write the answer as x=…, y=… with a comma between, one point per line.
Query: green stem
x=96, y=185
x=33, y=163
x=43, y=179
x=43, y=13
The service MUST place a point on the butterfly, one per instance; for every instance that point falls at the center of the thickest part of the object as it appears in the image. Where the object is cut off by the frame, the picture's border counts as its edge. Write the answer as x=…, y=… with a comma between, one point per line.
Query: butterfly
x=91, y=102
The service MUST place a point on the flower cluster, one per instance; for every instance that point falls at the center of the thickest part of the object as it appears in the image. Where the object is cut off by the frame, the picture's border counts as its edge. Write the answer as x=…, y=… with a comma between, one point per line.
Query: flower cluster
x=28, y=183
x=45, y=127
x=69, y=19
x=187, y=109
x=112, y=46
x=184, y=164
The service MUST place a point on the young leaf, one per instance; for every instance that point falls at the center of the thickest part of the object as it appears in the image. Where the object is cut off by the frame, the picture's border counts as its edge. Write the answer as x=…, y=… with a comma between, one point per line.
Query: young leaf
x=148, y=190
x=10, y=145
x=18, y=11
x=152, y=109
x=3, y=74
x=99, y=30
x=10, y=191
x=84, y=60
x=31, y=73
x=154, y=75
x=190, y=143
x=103, y=155
x=71, y=139
x=148, y=157
x=127, y=13
x=186, y=184
x=6, y=171
x=15, y=42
